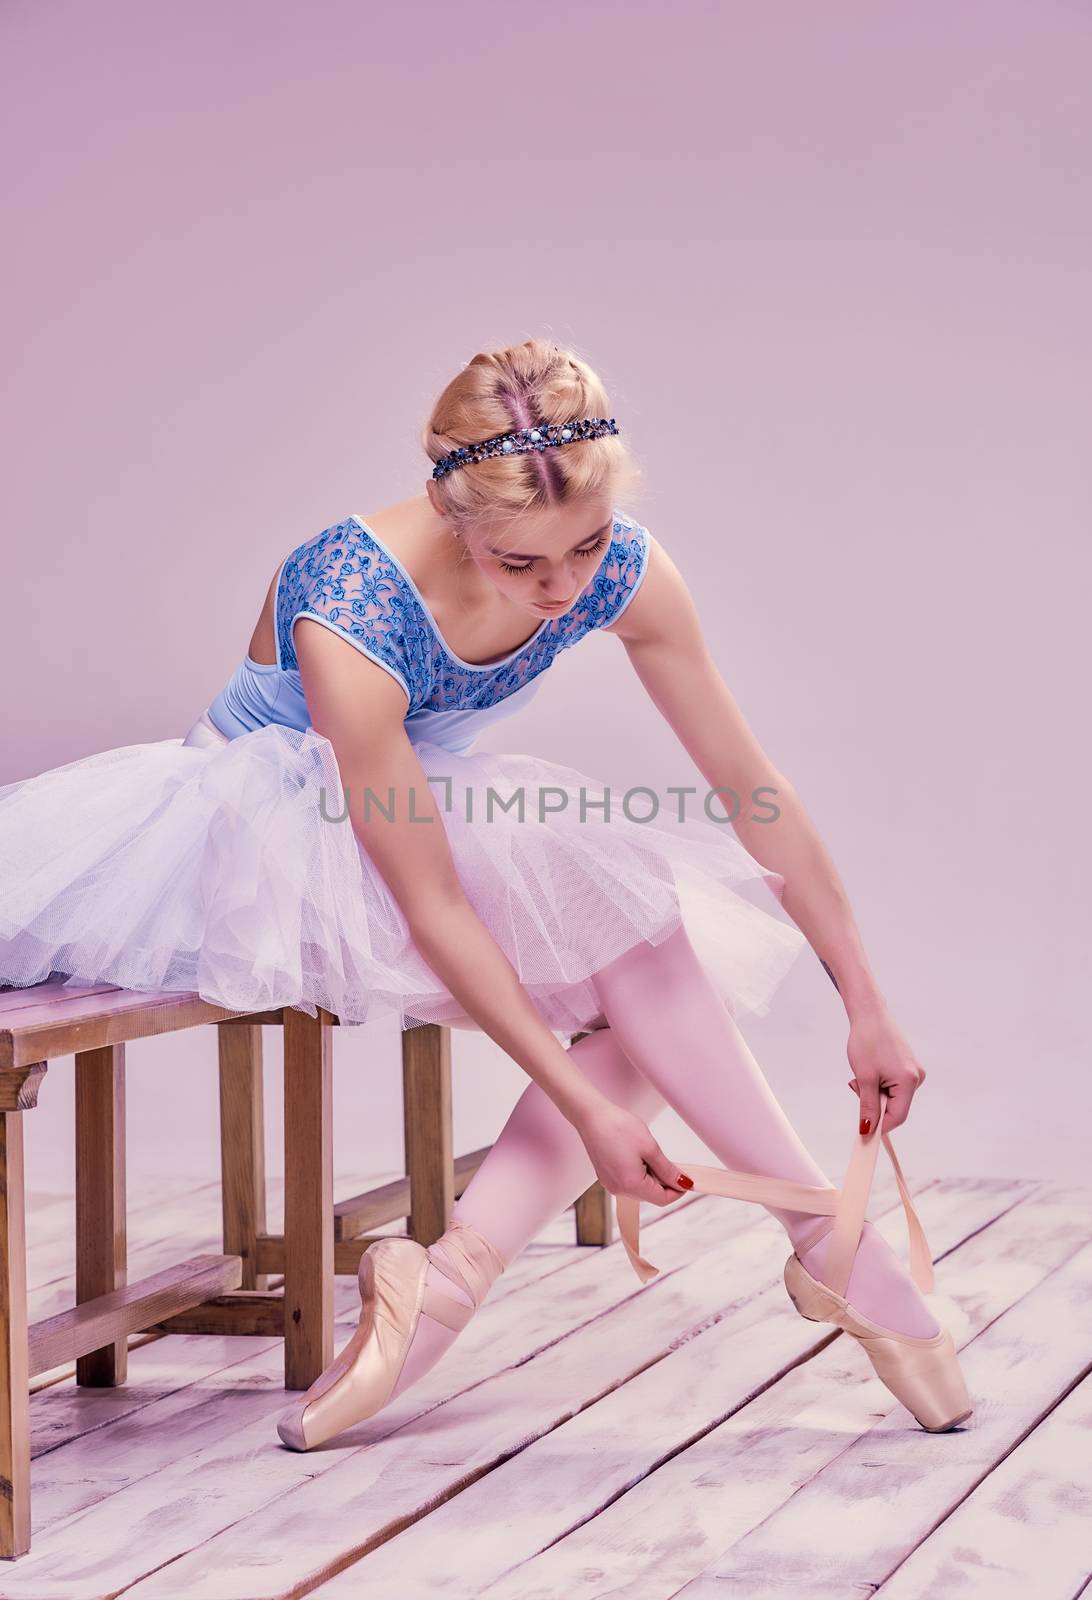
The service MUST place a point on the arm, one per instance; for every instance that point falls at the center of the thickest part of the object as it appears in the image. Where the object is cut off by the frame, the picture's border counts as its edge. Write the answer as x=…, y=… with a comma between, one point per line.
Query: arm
x=662, y=634
x=360, y=708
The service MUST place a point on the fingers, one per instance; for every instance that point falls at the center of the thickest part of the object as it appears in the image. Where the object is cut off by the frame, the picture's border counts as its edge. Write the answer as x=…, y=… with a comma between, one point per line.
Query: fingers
x=895, y=1113
x=898, y=1096
x=869, y=1110
x=898, y=1106
x=653, y=1190
x=665, y=1178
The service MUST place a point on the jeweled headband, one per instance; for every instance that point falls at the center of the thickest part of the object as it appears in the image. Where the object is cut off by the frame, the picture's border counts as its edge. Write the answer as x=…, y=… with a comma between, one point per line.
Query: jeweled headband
x=540, y=437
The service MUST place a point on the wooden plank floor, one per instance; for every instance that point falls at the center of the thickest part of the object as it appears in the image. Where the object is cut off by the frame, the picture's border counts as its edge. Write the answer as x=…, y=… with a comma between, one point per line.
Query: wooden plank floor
x=590, y=1437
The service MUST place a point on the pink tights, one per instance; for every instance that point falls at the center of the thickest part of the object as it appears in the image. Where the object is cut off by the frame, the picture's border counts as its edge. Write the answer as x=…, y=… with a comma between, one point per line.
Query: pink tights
x=669, y=1039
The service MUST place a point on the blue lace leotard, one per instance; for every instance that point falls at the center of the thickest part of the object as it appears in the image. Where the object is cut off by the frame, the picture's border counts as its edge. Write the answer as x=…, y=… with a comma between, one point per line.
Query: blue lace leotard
x=347, y=579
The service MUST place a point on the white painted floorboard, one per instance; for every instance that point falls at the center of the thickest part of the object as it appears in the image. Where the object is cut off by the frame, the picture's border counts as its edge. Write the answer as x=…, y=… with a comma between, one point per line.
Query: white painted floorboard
x=588, y=1436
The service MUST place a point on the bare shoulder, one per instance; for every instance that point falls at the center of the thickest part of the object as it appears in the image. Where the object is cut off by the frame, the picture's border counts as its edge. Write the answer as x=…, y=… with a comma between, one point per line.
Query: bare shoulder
x=404, y=529
x=662, y=608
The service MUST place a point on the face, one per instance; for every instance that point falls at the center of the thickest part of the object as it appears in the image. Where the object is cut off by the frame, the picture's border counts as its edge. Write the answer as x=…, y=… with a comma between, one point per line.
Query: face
x=544, y=562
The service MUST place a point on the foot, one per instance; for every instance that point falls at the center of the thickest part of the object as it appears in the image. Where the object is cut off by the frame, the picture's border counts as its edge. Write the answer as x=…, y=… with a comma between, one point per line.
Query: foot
x=432, y=1338
x=413, y=1304
x=879, y=1288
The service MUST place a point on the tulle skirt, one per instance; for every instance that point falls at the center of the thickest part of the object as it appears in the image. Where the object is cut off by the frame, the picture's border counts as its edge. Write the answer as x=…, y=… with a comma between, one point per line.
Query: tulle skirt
x=219, y=867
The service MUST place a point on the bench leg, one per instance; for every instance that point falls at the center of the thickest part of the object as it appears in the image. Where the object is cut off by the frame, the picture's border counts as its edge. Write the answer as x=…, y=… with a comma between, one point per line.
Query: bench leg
x=308, y=1197
x=242, y=1145
x=594, y=1217
x=14, y=1359
x=101, y=1252
x=427, y=1129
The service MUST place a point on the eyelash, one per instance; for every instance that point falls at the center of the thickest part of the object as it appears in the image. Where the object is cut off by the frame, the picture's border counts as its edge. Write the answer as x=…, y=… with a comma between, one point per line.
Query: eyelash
x=592, y=550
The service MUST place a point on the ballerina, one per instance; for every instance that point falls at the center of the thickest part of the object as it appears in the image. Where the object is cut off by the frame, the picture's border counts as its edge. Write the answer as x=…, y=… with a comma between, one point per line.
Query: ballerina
x=326, y=835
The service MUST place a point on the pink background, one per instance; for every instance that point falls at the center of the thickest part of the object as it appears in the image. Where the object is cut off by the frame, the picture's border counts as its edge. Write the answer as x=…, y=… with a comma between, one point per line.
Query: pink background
x=833, y=264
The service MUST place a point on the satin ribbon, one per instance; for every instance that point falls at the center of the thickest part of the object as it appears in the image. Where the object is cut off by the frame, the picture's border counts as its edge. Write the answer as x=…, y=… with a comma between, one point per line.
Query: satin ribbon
x=846, y=1205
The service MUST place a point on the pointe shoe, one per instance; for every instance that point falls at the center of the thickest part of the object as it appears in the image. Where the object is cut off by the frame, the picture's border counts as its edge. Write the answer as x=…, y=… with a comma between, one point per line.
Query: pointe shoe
x=922, y=1373
x=394, y=1291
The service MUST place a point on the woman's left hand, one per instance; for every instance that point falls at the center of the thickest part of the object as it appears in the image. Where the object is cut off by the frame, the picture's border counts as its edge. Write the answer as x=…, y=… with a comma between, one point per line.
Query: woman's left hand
x=882, y=1062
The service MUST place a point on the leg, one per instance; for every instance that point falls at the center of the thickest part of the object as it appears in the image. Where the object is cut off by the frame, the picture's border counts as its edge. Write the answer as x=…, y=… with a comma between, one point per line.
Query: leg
x=308, y=1197
x=537, y=1167
x=675, y=1029
x=242, y=1145
x=427, y=1129
x=101, y=1252
x=14, y=1355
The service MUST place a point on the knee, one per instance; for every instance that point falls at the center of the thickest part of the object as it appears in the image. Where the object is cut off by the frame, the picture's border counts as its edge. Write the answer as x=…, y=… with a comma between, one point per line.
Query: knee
x=600, y=1056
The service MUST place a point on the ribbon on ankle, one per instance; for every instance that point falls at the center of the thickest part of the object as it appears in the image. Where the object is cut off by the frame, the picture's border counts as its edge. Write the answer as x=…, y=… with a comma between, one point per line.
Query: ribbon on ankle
x=846, y=1205
x=467, y=1258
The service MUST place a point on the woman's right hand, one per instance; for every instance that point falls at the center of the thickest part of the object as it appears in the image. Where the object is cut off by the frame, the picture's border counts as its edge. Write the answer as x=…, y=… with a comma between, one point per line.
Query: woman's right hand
x=623, y=1149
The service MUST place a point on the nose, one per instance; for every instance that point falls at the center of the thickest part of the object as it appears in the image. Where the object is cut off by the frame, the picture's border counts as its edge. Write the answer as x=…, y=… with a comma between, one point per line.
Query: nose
x=554, y=594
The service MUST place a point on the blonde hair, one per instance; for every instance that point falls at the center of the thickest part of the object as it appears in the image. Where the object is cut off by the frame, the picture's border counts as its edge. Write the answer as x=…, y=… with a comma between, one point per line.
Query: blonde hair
x=499, y=391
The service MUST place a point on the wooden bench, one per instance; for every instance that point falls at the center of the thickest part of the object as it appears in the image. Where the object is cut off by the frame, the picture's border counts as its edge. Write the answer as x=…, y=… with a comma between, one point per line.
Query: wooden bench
x=262, y=1283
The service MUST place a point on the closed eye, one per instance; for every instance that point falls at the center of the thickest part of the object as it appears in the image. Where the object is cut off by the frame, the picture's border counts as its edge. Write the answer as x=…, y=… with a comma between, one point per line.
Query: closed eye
x=592, y=550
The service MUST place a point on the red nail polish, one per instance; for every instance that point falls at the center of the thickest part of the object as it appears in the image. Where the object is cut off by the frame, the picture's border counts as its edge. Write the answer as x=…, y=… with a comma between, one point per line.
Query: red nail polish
x=866, y=1123
x=687, y=1183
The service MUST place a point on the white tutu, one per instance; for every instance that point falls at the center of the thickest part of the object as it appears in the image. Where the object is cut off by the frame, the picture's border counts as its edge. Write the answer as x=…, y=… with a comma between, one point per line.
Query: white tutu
x=167, y=866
